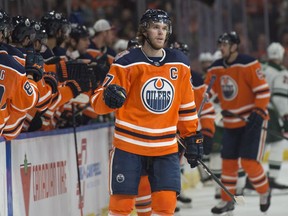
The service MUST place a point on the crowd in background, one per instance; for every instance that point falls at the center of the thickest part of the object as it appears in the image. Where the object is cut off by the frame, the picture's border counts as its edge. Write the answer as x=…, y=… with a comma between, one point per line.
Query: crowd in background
x=257, y=29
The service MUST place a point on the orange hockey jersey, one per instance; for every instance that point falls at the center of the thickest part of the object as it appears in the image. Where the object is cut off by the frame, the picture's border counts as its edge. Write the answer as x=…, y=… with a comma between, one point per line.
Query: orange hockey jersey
x=160, y=100
x=240, y=87
x=17, y=94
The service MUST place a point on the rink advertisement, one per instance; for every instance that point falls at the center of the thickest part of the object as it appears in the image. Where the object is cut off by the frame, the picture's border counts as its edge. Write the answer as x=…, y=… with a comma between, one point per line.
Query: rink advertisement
x=3, y=177
x=45, y=177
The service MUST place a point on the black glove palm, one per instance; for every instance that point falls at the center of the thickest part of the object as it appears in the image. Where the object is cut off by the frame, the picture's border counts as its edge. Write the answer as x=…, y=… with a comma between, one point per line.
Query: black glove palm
x=114, y=96
x=194, y=149
x=34, y=65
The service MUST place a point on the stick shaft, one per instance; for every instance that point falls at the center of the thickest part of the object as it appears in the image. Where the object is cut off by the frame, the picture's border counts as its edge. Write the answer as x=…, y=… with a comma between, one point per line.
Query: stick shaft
x=271, y=132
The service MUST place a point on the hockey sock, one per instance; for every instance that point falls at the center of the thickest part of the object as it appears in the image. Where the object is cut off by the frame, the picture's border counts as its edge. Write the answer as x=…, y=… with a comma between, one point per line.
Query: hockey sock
x=143, y=200
x=164, y=203
x=121, y=205
x=229, y=177
x=275, y=158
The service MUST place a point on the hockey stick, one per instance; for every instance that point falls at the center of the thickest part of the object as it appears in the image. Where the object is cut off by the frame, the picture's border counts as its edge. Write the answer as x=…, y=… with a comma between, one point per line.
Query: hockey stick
x=227, y=113
x=205, y=98
x=77, y=157
x=237, y=199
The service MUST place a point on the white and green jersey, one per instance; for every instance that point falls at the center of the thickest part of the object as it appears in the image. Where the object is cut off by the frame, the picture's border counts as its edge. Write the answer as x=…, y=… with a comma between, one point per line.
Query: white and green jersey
x=277, y=78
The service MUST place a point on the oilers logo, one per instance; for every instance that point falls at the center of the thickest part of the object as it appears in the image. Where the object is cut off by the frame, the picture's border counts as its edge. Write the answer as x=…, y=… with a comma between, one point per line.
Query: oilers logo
x=229, y=87
x=157, y=95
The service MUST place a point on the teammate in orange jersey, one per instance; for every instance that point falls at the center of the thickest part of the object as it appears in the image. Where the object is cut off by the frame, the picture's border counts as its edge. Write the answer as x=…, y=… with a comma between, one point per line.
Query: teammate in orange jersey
x=241, y=89
x=149, y=90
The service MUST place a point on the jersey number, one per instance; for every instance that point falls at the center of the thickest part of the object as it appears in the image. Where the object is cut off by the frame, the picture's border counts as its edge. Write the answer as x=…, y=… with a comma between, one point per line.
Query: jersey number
x=28, y=88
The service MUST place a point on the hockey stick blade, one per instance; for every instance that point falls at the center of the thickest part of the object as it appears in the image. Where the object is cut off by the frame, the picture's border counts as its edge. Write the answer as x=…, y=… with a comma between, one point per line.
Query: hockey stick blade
x=237, y=199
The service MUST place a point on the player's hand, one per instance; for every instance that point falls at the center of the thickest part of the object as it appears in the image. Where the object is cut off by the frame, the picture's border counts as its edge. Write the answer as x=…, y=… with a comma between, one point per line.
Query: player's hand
x=256, y=118
x=114, y=96
x=34, y=65
x=194, y=149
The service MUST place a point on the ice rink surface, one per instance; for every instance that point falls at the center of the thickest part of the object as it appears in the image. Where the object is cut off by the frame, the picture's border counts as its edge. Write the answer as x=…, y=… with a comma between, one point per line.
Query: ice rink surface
x=203, y=200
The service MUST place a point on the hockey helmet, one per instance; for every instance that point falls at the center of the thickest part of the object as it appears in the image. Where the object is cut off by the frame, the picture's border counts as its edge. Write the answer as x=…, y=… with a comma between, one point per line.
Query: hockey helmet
x=53, y=21
x=231, y=38
x=5, y=23
x=41, y=34
x=22, y=28
x=275, y=51
x=79, y=31
x=156, y=15
x=180, y=46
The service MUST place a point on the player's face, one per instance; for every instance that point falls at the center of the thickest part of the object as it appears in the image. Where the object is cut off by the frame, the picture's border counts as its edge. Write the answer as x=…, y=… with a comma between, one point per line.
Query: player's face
x=157, y=33
x=83, y=44
x=225, y=49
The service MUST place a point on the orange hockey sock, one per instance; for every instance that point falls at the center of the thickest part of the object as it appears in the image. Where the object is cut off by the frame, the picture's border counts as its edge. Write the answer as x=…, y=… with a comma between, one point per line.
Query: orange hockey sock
x=164, y=203
x=143, y=200
x=121, y=205
x=229, y=177
x=256, y=175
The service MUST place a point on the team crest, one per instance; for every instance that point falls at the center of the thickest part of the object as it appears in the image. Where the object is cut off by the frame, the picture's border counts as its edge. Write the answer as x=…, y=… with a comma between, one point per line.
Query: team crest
x=157, y=95
x=229, y=87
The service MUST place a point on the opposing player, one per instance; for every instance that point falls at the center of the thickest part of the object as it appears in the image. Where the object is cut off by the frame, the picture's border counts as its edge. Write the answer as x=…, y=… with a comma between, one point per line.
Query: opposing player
x=241, y=89
x=277, y=77
x=150, y=92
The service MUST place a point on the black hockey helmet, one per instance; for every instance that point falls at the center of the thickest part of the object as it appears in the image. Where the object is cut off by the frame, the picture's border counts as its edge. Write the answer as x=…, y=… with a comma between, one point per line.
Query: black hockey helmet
x=180, y=46
x=4, y=20
x=79, y=31
x=41, y=34
x=22, y=28
x=231, y=38
x=53, y=21
x=156, y=15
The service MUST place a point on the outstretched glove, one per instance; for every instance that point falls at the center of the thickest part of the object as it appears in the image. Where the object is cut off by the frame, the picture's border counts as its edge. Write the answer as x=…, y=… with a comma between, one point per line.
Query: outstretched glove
x=194, y=149
x=34, y=65
x=114, y=96
x=255, y=120
x=78, y=86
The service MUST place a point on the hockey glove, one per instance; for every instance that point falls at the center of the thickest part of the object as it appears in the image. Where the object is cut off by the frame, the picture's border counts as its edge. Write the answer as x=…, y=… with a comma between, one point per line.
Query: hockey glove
x=34, y=65
x=255, y=120
x=79, y=86
x=114, y=96
x=51, y=79
x=194, y=149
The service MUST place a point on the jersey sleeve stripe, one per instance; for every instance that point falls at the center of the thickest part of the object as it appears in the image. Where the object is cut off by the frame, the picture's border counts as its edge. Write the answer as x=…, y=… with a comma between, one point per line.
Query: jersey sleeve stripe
x=191, y=104
x=188, y=118
x=261, y=87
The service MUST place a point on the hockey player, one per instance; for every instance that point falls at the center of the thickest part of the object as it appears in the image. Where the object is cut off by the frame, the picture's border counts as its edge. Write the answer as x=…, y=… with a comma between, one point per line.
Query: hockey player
x=242, y=89
x=19, y=91
x=277, y=77
x=150, y=92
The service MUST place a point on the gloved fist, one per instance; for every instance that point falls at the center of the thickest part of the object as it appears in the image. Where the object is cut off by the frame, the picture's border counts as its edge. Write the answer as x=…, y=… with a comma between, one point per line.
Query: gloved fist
x=78, y=86
x=50, y=78
x=256, y=118
x=194, y=149
x=34, y=65
x=114, y=96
